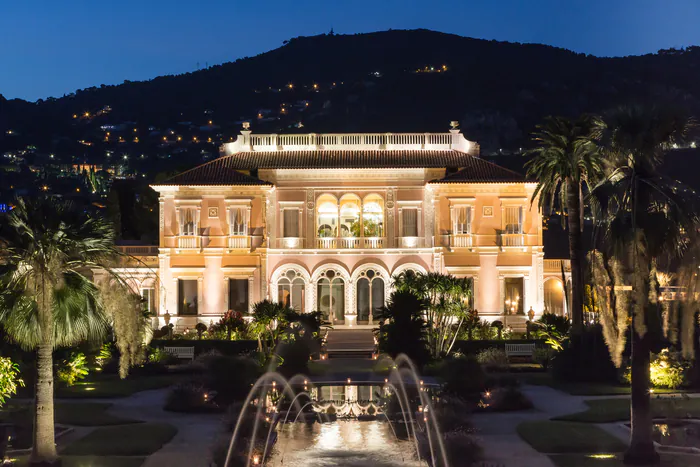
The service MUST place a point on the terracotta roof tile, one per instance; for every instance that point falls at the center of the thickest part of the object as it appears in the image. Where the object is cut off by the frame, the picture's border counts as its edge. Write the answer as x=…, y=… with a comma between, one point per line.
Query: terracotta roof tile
x=476, y=170
x=225, y=170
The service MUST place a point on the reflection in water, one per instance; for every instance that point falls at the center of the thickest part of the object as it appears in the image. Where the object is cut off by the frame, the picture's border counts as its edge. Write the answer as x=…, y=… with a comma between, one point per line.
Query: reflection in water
x=346, y=443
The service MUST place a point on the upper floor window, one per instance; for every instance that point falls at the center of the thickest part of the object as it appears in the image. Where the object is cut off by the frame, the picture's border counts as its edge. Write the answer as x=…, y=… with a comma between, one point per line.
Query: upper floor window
x=327, y=216
x=513, y=222
x=462, y=221
x=290, y=222
x=350, y=215
x=409, y=222
x=373, y=216
x=238, y=221
x=188, y=221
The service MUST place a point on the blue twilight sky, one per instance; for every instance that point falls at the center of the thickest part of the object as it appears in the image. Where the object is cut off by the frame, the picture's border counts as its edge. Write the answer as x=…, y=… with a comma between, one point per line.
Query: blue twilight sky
x=50, y=47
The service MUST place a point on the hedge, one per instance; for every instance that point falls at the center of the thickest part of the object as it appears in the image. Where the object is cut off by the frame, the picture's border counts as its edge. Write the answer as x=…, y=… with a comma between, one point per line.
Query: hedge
x=475, y=346
x=225, y=347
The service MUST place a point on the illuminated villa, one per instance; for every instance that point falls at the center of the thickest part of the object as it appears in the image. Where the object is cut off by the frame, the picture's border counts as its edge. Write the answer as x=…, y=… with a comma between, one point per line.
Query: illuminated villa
x=323, y=222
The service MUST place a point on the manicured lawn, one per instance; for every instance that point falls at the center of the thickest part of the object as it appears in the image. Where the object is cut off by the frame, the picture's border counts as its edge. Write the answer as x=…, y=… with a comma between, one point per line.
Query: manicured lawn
x=568, y=437
x=105, y=386
x=586, y=389
x=89, y=461
x=618, y=410
x=78, y=414
x=140, y=439
x=598, y=460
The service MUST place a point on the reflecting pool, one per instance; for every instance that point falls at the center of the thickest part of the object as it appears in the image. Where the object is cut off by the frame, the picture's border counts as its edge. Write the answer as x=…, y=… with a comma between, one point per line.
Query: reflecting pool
x=346, y=443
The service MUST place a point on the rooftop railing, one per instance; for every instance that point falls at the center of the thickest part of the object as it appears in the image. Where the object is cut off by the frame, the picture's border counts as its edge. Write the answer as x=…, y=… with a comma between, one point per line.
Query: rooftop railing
x=248, y=142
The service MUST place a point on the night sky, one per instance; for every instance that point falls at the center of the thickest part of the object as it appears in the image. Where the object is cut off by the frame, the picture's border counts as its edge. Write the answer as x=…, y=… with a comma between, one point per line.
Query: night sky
x=48, y=47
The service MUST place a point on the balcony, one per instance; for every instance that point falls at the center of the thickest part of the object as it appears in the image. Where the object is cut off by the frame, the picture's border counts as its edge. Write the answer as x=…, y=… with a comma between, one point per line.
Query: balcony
x=239, y=242
x=291, y=243
x=555, y=265
x=332, y=243
x=410, y=242
x=189, y=241
x=462, y=241
x=512, y=239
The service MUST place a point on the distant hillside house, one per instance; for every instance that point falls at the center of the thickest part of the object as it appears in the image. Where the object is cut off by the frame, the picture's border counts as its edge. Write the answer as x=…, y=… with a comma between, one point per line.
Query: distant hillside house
x=324, y=221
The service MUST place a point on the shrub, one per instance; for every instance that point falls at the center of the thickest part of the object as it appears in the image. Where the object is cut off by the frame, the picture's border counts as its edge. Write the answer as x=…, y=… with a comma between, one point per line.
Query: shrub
x=590, y=361
x=452, y=414
x=230, y=377
x=543, y=357
x=104, y=356
x=295, y=356
x=188, y=397
x=9, y=379
x=461, y=448
x=667, y=370
x=72, y=369
x=160, y=356
x=551, y=322
x=505, y=399
x=493, y=359
x=240, y=449
x=463, y=377
x=201, y=328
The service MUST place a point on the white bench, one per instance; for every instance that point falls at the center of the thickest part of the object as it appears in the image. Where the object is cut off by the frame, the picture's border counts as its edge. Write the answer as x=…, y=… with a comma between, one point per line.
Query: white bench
x=181, y=352
x=520, y=350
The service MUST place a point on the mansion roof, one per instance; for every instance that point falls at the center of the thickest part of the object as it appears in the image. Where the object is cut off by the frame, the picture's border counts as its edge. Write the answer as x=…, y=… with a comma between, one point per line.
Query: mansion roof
x=346, y=151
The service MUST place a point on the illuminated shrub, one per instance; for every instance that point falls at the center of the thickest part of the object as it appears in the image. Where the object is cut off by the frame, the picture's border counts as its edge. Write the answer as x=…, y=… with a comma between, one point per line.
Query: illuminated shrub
x=73, y=368
x=667, y=370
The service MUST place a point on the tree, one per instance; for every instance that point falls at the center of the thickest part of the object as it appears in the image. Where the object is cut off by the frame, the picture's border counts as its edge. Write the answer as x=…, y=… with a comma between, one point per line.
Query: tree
x=566, y=160
x=269, y=322
x=47, y=299
x=402, y=328
x=448, y=299
x=646, y=217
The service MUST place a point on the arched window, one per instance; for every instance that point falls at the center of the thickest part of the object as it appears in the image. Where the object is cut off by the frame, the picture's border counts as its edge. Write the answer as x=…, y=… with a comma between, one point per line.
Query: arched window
x=370, y=294
x=291, y=290
x=554, y=297
x=373, y=216
x=327, y=216
x=350, y=216
x=330, y=297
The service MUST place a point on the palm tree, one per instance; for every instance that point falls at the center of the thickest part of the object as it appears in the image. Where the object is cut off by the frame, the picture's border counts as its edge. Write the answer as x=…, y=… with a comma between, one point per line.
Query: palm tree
x=566, y=160
x=647, y=217
x=448, y=302
x=46, y=297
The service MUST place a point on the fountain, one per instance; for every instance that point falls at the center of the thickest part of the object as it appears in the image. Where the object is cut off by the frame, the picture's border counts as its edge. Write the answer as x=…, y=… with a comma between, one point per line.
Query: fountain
x=271, y=391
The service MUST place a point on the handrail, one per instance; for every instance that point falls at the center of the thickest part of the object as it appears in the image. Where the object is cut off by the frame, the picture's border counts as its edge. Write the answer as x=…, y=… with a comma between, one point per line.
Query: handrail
x=368, y=141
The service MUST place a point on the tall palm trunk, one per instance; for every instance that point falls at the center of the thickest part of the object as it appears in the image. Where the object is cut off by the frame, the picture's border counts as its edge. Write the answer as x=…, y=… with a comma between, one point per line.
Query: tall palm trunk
x=44, y=446
x=573, y=207
x=641, y=450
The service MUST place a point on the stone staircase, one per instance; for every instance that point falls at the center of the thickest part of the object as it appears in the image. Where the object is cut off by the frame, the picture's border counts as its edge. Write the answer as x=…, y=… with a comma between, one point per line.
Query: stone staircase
x=342, y=343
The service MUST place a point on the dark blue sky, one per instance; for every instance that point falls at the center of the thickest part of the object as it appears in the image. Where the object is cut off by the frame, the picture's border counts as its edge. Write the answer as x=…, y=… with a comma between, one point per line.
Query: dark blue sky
x=49, y=47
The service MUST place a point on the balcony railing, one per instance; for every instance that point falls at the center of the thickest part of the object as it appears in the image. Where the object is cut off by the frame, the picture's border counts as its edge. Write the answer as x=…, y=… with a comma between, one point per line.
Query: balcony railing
x=374, y=141
x=291, y=243
x=461, y=241
x=189, y=241
x=239, y=241
x=410, y=242
x=554, y=265
x=512, y=239
x=332, y=243
x=138, y=250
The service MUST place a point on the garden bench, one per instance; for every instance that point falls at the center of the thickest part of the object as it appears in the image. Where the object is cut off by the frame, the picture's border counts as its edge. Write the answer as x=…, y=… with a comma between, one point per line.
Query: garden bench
x=520, y=350
x=181, y=352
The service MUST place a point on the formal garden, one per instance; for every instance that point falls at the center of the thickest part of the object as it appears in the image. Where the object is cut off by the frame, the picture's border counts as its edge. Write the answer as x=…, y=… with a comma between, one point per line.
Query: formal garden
x=85, y=380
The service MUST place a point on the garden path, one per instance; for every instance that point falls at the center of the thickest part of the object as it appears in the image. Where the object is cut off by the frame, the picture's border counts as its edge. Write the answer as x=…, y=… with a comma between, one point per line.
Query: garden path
x=195, y=432
x=497, y=431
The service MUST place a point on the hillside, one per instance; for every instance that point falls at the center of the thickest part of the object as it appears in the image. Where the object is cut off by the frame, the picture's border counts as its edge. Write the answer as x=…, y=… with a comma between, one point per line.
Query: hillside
x=364, y=82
